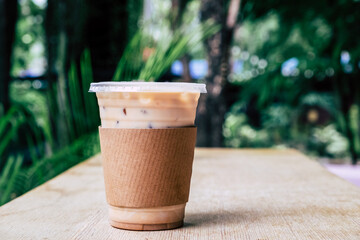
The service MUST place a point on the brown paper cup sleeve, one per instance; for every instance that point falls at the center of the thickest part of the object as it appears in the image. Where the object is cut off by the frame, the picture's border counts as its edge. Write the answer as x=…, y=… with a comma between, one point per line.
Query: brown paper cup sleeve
x=147, y=167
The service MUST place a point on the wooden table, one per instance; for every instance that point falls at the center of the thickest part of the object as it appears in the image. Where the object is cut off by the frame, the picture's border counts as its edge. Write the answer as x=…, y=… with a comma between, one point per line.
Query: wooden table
x=235, y=194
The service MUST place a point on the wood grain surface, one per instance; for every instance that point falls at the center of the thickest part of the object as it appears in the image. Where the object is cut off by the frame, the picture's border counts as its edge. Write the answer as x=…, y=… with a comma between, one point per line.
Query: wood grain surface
x=235, y=194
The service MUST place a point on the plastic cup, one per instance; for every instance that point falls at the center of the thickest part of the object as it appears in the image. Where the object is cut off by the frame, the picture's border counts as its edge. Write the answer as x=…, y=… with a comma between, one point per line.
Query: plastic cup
x=140, y=106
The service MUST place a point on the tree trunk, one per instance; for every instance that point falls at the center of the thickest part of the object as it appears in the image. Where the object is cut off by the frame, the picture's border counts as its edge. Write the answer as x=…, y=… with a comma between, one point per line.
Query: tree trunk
x=107, y=30
x=56, y=35
x=8, y=17
x=176, y=15
x=185, y=60
x=213, y=106
x=346, y=95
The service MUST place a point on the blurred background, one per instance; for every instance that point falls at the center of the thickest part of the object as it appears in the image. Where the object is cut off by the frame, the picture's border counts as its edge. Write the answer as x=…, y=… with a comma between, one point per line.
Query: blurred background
x=278, y=74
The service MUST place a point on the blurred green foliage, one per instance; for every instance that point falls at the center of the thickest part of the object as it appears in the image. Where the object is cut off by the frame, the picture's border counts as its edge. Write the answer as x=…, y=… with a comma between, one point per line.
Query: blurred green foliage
x=28, y=155
x=148, y=59
x=18, y=178
x=80, y=117
x=298, y=83
x=29, y=43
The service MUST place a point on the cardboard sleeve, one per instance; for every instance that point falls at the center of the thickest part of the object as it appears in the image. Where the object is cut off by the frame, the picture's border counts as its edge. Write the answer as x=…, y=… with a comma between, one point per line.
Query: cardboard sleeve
x=147, y=167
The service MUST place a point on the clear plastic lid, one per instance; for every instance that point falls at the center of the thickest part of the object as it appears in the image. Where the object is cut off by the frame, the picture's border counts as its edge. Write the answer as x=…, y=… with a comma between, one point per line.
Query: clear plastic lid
x=147, y=87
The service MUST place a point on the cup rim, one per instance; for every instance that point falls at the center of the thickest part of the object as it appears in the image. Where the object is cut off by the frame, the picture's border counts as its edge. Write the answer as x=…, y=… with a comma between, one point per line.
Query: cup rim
x=137, y=86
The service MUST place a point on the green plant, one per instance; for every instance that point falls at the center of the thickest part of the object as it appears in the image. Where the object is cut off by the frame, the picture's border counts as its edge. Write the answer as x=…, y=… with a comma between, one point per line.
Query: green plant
x=239, y=133
x=49, y=167
x=24, y=163
x=18, y=127
x=83, y=115
x=73, y=112
x=147, y=59
x=8, y=178
x=327, y=141
x=9, y=124
x=17, y=179
x=299, y=61
x=12, y=134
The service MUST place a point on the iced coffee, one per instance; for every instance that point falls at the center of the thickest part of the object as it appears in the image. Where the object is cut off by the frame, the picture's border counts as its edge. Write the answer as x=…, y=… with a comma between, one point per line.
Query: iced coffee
x=146, y=108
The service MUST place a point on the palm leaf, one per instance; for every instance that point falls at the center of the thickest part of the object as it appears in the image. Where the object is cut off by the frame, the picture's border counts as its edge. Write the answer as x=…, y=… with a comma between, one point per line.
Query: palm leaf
x=77, y=105
x=133, y=66
x=8, y=180
x=91, y=108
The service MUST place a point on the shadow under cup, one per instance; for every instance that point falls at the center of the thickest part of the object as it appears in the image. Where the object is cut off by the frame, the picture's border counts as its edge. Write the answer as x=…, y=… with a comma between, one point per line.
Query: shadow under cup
x=147, y=138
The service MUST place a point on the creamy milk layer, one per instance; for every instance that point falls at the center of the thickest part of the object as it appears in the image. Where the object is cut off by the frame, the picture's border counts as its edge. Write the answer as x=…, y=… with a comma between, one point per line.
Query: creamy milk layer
x=147, y=109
